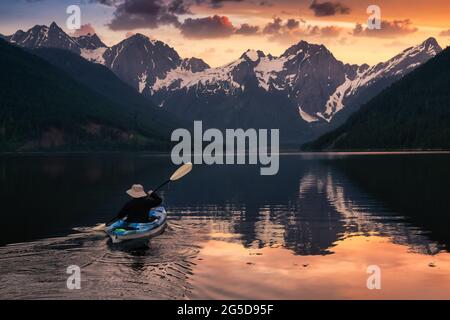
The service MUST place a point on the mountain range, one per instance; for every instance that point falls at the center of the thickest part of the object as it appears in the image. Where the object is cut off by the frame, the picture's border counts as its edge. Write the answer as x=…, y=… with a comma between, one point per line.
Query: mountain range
x=304, y=92
x=413, y=113
x=46, y=107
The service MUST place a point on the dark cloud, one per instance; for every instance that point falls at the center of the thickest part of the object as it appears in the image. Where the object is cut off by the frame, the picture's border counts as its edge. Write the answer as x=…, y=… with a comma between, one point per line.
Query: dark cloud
x=328, y=8
x=389, y=29
x=220, y=3
x=215, y=3
x=247, y=30
x=273, y=27
x=135, y=14
x=292, y=24
x=179, y=7
x=105, y=2
x=207, y=28
x=293, y=30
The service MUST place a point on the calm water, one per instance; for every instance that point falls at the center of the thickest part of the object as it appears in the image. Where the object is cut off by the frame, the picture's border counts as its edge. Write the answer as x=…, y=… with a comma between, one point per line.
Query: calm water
x=309, y=232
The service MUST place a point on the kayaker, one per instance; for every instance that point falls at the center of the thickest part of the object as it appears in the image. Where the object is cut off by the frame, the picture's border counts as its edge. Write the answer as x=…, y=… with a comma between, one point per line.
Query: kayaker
x=136, y=210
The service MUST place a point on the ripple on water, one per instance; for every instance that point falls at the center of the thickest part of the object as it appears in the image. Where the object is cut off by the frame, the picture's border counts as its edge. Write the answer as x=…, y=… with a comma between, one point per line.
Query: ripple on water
x=37, y=270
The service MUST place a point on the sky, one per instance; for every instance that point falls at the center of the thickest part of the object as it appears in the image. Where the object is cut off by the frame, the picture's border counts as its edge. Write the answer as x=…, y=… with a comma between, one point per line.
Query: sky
x=219, y=31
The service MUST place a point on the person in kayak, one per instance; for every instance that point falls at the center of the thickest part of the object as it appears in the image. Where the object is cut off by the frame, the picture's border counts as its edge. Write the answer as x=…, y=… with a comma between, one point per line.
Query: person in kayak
x=136, y=210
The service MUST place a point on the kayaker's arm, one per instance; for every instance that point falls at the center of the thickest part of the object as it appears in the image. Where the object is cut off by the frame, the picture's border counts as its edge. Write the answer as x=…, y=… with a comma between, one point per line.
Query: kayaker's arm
x=122, y=214
x=155, y=199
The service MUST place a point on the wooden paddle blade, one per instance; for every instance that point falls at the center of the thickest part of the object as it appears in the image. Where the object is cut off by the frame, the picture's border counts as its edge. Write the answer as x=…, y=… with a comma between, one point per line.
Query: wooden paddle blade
x=182, y=171
x=99, y=227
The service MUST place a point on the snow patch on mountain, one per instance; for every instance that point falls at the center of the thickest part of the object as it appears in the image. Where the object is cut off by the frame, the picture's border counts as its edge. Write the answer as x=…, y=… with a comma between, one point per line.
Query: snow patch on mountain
x=252, y=55
x=142, y=81
x=186, y=79
x=95, y=55
x=89, y=41
x=267, y=69
x=306, y=116
x=335, y=102
x=397, y=66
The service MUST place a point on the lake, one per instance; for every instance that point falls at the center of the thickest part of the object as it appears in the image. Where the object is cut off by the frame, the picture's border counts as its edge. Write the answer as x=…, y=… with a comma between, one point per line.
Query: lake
x=310, y=232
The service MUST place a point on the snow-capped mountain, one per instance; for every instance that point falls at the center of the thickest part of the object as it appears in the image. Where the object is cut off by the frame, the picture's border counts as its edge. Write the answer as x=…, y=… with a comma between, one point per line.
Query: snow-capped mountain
x=228, y=79
x=307, y=74
x=369, y=81
x=90, y=42
x=139, y=61
x=305, y=87
x=43, y=36
x=92, y=48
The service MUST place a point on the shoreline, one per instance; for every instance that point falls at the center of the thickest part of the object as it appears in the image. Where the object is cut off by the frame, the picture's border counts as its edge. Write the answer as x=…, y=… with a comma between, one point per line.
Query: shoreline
x=286, y=152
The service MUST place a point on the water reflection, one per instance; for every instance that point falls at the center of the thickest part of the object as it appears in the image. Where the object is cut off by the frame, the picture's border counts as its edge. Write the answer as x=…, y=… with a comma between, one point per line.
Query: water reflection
x=266, y=236
x=310, y=213
x=277, y=273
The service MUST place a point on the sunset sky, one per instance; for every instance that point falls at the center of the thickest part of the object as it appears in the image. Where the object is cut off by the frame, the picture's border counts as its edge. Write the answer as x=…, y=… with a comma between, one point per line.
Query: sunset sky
x=219, y=31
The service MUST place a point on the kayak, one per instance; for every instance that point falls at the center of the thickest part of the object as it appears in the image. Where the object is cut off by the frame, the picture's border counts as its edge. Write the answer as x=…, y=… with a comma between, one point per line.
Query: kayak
x=121, y=231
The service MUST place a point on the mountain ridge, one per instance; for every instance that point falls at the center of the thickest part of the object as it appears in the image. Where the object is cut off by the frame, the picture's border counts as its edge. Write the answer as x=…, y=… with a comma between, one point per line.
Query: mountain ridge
x=411, y=114
x=282, y=74
x=319, y=91
x=103, y=81
x=43, y=108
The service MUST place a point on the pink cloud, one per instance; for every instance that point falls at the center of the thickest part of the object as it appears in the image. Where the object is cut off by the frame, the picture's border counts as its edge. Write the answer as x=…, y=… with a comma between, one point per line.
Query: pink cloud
x=84, y=30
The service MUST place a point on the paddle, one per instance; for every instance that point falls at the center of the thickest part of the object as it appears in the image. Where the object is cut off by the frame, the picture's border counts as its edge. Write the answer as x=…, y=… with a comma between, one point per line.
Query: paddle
x=178, y=174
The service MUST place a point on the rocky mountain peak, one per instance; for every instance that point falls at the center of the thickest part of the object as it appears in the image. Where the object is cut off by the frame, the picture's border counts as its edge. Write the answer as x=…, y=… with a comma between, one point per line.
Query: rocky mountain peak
x=432, y=42
x=53, y=25
x=137, y=37
x=90, y=42
x=41, y=36
x=253, y=55
x=307, y=76
x=299, y=48
x=194, y=65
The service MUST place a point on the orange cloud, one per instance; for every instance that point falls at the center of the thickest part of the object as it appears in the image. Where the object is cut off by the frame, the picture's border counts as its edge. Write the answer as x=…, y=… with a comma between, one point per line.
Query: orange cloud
x=292, y=30
x=445, y=33
x=389, y=29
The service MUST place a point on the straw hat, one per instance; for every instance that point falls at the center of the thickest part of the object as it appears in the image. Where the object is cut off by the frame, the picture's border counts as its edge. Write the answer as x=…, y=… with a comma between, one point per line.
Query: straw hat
x=136, y=191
